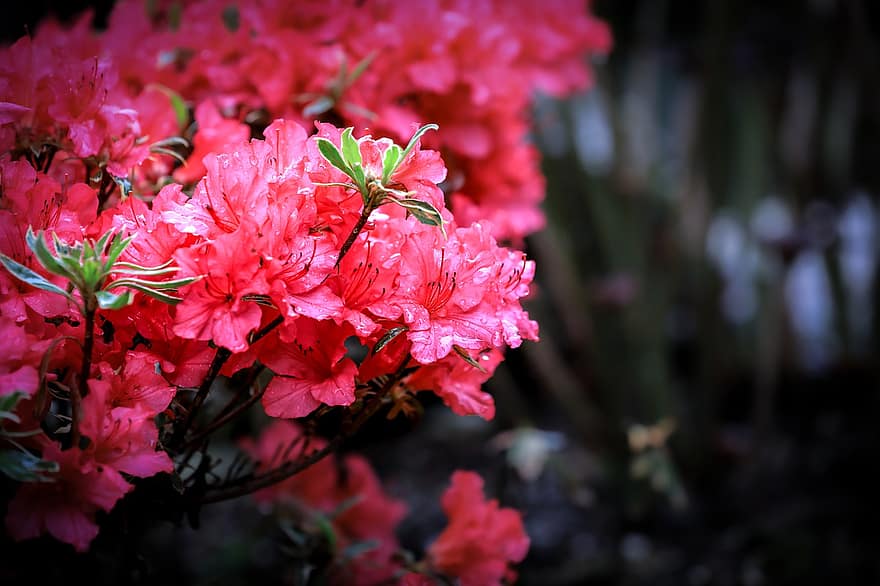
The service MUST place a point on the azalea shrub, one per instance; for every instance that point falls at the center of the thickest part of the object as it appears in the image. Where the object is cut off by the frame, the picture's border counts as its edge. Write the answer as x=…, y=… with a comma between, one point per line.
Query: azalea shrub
x=313, y=209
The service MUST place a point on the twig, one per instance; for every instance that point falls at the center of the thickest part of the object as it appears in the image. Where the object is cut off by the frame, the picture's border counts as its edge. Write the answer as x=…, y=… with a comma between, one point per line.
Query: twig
x=81, y=389
x=217, y=363
x=223, y=419
x=248, y=485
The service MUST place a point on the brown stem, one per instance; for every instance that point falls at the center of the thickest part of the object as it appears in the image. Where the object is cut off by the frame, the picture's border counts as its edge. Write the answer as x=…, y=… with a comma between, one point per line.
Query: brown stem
x=214, y=369
x=105, y=190
x=81, y=389
x=248, y=485
x=51, y=150
x=365, y=215
x=223, y=419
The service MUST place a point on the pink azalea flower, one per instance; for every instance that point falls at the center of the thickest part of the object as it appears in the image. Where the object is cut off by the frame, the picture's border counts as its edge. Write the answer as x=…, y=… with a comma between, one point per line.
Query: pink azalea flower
x=66, y=507
x=481, y=539
x=215, y=307
x=214, y=134
x=348, y=490
x=310, y=368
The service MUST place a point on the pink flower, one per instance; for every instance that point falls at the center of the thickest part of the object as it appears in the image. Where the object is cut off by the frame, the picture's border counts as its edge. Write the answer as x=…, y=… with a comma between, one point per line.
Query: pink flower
x=121, y=438
x=459, y=384
x=347, y=491
x=215, y=307
x=310, y=366
x=138, y=384
x=481, y=539
x=441, y=296
x=214, y=134
x=66, y=507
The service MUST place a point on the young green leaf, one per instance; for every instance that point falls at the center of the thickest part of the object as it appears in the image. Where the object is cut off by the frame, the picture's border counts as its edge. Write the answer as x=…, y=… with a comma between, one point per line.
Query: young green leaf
x=33, y=279
x=155, y=294
x=173, y=154
x=165, y=267
x=415, y=138
x=360, y=68
x=108, y=300
x=117, y=247
x=23, y=466
x=351, y=151
x=158, y=285
x=330, y=152
x=360, y=179
x=422, y=211
x=319, y=106
x=181, y=112
x=101, y=243
x=389, y=162
x=38, y=245
x=8, y=402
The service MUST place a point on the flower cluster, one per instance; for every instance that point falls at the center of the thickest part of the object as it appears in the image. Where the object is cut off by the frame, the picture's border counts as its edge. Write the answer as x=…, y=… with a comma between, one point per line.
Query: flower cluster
x=205, y=193
x=379, y=66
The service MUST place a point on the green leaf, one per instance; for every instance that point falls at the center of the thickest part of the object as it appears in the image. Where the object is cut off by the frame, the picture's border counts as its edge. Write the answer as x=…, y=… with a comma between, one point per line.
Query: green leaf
x=92, y=273
x=360, y=68
x=422, y=211
x=231, y=18
x=158, y=285
x=387, y=337
x=468, y=358
x=108, y=300
x=174, y=13
x=163, y=297
x=358, y=548
x=61, y=248
x=390, y=161
x=25, y=467
x=117, y=247
x=358, y=110
x=10, y=416
x=130, y=267
x=101, y=244
x=124, y=184
x=8, y=402
x=326, y=528
x=23, y=273
x=359, y=177
x=415, y=138
x=37, y=244
x=335, y=184
x=163, y=151
x=172, y=141
x=351, y=151
x=330, y=152
x=319, y=106
x=345, y=505
x=181, y=112
x=120, y=268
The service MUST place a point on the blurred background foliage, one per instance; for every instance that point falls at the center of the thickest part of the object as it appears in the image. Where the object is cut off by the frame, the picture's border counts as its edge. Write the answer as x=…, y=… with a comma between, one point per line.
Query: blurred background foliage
x=706, y=295
x=702, y=407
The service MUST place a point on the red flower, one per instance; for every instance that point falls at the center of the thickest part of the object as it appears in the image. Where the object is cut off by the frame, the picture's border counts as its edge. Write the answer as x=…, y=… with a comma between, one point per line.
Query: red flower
x=481, y=539
x=121, y=438
x=214, y=134
x=347, y=491
x=310, y=366
x=65, y=507
x=215, y=306
x=139, y=384
x=459, y=384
